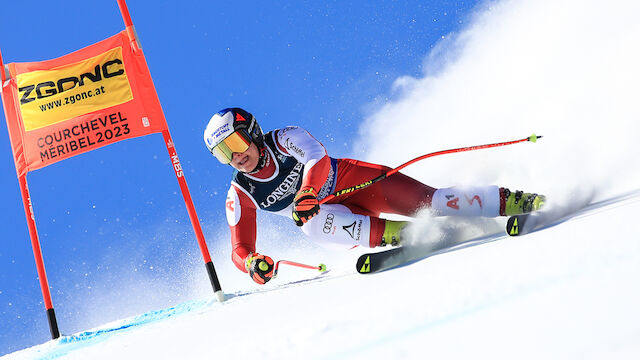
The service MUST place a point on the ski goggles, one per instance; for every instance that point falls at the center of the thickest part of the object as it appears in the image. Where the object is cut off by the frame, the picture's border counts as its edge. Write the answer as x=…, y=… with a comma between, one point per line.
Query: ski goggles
x=238, y=141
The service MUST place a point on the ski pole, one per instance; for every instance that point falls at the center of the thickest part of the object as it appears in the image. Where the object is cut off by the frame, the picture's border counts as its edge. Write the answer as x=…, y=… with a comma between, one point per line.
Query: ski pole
x=532, y=138
x=321, y=267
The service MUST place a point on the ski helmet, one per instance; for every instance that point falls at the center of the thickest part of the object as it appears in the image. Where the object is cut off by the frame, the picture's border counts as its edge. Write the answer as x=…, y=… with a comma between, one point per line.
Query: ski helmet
x=232, y=130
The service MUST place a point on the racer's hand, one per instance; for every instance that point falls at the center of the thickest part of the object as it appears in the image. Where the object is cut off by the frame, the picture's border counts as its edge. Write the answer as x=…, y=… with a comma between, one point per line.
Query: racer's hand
x=260, y=268
x=305, y=205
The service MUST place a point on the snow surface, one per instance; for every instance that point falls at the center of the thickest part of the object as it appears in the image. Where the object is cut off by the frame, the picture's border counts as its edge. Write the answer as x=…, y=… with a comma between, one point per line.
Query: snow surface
x=566, y=292
x=564, y=69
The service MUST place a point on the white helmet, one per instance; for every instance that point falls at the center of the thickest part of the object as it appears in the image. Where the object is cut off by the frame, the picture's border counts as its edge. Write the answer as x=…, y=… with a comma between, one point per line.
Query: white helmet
x=232, y=130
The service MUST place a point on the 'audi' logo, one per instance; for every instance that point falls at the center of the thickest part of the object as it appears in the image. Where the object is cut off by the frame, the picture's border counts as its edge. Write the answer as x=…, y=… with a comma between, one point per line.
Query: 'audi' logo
x=328, y=223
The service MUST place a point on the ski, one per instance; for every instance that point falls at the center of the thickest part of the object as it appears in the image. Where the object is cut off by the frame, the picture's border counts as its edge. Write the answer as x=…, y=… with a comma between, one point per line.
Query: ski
x=518, y=225
x=373, y=262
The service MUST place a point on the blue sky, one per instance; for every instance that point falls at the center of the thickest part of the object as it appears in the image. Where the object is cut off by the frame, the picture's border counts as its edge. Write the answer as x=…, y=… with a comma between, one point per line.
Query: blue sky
x=116, y=214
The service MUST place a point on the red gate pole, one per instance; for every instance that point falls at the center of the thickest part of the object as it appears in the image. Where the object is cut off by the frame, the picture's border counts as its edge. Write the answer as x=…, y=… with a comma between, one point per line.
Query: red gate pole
x=37, y=254
x=124, y=10
x=213, y=277
x=33, y=234
x=177, y=168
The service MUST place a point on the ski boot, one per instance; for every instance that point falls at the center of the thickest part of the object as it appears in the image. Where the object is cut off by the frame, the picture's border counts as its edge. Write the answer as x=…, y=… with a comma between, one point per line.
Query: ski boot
x=392, y=232
x=518, y=202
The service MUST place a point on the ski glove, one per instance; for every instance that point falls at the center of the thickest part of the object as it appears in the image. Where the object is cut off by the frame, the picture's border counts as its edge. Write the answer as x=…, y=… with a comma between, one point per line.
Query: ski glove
x=260, y=268
x=305, y=205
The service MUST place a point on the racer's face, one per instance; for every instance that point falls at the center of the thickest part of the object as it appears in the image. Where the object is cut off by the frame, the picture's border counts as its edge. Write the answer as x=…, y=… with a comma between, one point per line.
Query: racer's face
x=246, y=161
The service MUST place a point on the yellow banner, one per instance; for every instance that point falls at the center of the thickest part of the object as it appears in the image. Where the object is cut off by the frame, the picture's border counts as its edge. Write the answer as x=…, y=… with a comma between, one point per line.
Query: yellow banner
x=48, y=97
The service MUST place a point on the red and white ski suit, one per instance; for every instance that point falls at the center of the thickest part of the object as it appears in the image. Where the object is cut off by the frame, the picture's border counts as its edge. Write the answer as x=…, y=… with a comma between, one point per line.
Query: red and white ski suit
x=348, y=220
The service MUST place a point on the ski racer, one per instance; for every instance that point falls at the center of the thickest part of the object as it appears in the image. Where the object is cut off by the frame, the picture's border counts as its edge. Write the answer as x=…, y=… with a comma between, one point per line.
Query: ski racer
x=287, y=171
